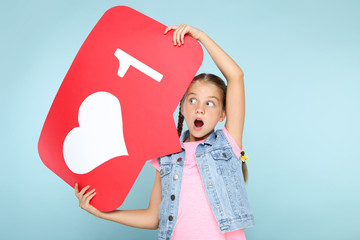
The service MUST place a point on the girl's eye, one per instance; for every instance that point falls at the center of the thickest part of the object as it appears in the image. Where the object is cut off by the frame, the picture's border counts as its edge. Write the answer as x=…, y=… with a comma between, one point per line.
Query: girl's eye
x=192, y=100
x=210, y=104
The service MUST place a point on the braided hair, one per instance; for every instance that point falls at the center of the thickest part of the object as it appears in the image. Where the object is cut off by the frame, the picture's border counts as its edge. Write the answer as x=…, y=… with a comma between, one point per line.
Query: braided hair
x=180, y=122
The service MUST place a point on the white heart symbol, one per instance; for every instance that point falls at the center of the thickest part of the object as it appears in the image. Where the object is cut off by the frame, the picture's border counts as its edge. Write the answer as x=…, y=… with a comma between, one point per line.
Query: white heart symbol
x=99, y=137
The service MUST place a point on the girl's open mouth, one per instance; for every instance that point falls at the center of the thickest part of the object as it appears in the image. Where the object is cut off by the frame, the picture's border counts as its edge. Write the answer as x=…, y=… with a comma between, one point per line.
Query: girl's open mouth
x=198, y=123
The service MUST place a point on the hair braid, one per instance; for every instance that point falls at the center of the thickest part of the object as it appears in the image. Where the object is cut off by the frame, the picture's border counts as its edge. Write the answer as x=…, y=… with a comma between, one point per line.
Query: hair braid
x=244, y=169
x=180, y=123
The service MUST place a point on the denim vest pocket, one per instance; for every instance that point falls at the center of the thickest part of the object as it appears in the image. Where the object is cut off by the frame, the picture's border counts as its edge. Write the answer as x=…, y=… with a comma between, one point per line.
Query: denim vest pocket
x=221, y=154
x=222, y=159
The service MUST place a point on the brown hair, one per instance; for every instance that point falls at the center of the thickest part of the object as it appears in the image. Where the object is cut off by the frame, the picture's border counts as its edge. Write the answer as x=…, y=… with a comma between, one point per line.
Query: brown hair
x=212, y=78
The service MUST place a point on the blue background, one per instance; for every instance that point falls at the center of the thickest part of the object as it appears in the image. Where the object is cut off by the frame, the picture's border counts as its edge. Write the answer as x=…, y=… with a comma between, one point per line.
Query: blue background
x=301, y=61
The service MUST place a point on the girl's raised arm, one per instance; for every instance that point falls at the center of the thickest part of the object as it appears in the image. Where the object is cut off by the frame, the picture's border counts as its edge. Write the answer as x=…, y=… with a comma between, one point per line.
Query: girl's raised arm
x=139, y=218
x=235, y=97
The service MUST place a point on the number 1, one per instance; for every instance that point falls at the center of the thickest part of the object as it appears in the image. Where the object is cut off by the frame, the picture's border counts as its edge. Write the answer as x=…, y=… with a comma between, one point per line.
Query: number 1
x=126, y=61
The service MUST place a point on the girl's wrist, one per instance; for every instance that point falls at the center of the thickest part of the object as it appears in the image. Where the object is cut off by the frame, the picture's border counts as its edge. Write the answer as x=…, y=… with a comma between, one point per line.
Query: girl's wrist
x=100, y=214
x=201, y=36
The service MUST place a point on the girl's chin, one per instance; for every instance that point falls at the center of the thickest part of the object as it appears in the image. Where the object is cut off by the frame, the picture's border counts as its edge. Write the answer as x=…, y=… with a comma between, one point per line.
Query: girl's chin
x=197, y=136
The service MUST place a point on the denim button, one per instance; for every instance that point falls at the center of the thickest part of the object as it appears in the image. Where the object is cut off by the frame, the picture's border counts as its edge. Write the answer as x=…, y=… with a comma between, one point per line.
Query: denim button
x=171, y=218
x=224, y=154
x=179, y=159
x=175, y=177
x=172, y=197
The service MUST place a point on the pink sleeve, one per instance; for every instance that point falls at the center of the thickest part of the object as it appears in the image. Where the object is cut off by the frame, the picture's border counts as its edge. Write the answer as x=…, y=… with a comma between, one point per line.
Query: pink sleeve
x=154, y=162
x=237, y=150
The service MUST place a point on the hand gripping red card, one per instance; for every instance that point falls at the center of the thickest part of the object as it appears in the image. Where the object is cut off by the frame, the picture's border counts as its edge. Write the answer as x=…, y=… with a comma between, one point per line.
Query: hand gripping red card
x=113, y=111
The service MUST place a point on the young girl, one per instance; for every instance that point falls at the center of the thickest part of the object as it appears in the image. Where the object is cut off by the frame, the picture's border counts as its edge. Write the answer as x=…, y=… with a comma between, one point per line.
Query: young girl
x=198, y=193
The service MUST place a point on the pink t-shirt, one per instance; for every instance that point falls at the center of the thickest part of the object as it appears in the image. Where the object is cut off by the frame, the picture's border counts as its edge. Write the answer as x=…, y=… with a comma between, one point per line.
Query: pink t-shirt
x=195, y=217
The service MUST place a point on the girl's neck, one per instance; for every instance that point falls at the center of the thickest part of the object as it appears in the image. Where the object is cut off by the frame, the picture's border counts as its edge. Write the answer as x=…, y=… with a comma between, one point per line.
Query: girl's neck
x=195, y=141
x=191, y=138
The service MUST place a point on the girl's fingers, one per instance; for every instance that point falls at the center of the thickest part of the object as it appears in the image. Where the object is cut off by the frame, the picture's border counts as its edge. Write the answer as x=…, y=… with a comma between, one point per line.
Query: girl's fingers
x=88, y=193
x=84, y=197
x=84, y=190
x=174, y=35
x=171, y=27
x=85, y=203
x=178, y=34
x=91, y=196
x=183, y=32
x=76, y=188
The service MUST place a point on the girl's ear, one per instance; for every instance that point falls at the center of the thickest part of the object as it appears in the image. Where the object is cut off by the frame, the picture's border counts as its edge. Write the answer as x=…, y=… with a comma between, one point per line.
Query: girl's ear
x=222, y=116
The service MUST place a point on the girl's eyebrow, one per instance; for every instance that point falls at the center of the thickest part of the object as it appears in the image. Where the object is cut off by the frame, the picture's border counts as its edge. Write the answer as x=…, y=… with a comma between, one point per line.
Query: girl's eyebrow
x=214, y=97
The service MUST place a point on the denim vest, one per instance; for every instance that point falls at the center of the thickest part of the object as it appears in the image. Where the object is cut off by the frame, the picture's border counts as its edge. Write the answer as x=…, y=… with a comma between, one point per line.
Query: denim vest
x=223, y=181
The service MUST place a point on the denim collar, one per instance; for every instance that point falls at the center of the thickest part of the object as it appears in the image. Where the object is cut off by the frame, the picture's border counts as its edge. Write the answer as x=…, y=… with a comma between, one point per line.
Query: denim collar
x=208, y=141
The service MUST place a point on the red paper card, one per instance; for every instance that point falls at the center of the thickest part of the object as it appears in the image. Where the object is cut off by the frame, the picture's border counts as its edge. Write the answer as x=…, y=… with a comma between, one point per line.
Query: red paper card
x=113, y=111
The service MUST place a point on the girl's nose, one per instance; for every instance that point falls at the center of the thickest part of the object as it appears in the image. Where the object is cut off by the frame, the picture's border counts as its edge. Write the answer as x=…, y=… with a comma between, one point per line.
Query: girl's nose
x=199, y=109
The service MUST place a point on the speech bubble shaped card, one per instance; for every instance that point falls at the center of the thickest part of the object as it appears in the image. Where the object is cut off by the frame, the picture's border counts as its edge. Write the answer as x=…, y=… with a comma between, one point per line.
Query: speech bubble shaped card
x=114, y=109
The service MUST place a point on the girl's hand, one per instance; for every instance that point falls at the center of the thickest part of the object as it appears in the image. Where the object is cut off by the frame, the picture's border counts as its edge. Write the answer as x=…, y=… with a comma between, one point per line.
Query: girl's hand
x=181, y=31
x=84, y=199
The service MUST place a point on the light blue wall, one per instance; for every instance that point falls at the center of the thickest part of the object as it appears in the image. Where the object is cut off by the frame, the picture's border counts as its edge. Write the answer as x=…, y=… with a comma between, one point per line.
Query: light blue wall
x=301, y=61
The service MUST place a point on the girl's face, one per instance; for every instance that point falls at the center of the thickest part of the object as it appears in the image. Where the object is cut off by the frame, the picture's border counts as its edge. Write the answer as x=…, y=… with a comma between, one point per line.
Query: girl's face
x=202, y=109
